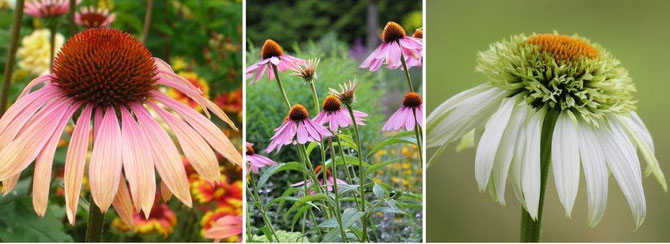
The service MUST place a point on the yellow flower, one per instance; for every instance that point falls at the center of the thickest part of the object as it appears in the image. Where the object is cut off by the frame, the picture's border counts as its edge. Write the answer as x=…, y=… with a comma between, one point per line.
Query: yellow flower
x=178, y=63
x=35, y=51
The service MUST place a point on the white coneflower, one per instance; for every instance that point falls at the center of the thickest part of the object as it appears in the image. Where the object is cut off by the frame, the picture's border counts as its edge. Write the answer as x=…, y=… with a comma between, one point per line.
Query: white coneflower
x=558, y=100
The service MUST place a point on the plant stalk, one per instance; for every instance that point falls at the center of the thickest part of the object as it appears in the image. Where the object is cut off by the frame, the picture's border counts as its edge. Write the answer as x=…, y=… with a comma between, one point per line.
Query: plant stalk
x=96, y=220
x=147, y=20
x=259, y=205
x=281, y=87
x=361, y=170
x=72, y=27
x=338, y=212
x=530, y=228
x=404, y=66
x=417, y=132
x=9, y=65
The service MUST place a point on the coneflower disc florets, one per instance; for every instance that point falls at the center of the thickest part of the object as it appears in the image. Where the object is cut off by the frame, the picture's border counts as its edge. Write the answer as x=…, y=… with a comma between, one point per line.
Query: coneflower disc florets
x=271, y=49
x=561, y=72
x=412, y=100
x=418, y=33
x=331, y=104
x=298, y=113
x=105, y=67
x=392, y=32
x=318, y=169
x=250, y=150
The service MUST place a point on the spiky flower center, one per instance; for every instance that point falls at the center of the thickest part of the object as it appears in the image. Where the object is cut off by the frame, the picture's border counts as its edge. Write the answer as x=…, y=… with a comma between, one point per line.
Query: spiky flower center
x=562, y=47
x=93, y=19
x=412, y=100
x=104, y=67
x=331, y=104
x=271, y=49
x=319, y=168
x=298, y=113
x=392, y=32
x=250, y=150
x=418, y=33
x=560, y=72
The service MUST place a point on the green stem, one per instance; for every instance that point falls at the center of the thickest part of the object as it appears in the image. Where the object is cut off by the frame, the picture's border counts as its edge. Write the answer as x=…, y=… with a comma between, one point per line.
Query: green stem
x=338, y=212
x=344, y=161
x=96, y=220
x=530, y=229
x=417, y=132
x=404, y=66
x=147, y=20
x=317, y=108
x=9, y=65
x=281, y=87
x=260, y=207
x=72, y=27
x=361, y=170
x=318, y=230
x=53, y=26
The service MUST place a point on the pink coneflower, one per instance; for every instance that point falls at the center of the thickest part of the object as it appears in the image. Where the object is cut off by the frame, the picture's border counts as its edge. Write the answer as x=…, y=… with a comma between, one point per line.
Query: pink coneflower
x=257, y=161
x=91, y=17
x=297, y=125
x=272, y=54
x=109, y=76
x=331, y=180
x=395, y=43
x=336, y=116
x=47, y=8
x=408, y=115
x=225, y=227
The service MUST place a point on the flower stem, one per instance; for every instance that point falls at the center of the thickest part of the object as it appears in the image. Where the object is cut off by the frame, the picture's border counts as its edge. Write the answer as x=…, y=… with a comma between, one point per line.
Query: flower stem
x=338, y=212
x=404, y=66
x=417, y=132
x=96, y=220
x=254, y=194
x=361, y=170
x=317, y=108
x=147, y=20
x=53, y=26
x=281, y=87
x=9, y=65
x=344, y=161
x=530, y=229
x=72, y=27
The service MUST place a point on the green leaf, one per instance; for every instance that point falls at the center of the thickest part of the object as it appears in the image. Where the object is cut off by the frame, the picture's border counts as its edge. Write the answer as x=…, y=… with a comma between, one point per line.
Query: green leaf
x=20, y=223
x=311, y=147
x=298, y=214
x=379, y=191
x=405, y=137
x=349, y=217
x=377, y=166
x=269, y=171
x=348, y=140
x=351, y=160
x=307, y=199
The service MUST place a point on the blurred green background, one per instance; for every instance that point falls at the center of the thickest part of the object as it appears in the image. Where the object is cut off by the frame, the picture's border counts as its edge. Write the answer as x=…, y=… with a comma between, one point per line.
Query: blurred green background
x=636, y=32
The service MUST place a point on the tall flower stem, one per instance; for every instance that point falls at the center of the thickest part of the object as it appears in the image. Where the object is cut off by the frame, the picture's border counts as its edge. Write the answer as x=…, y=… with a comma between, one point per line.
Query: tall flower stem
x=361, y=170
x=338, y=212
x=281, y=87
x=72, y=27
x=530, y=228
x=344, y=162
x=317, y=108
x=147, y=20
x=96, y=220
x=259, y=205
x=9, y=65
x=53, y=27
x=417, y=130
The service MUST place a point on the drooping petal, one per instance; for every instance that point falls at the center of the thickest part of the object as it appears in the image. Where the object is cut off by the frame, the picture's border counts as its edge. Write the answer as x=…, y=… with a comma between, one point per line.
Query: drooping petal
x=530, y=167
x=104, y=170
x=488, y=145
x=565, y=160
x=595, y=172
x=507, y=150
x=166, y=194
x=640, y=135
x=122, y=203
x=75, y=161
x=9, y=184
x=138, y=164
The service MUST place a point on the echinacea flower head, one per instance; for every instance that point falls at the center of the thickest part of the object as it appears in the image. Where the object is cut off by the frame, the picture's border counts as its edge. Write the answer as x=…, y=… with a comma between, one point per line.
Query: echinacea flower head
x=418, y=33
x=336, y=116
x=395, y=45
x=347, y=95
x=91, y=17
x=34, y=54
x=225, y=227
x=297, y=126
x=407, y=116
x=576, y=92
x=330, y=180
x=307, y=71
x=272, y=54
x=109, y=78
x=47, y=8
x=256, y=161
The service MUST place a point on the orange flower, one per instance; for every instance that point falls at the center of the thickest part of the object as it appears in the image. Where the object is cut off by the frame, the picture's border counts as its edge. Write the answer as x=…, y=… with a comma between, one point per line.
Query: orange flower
x=198, y=82
x=210, y=218
x=230, y=101
x=161, y=220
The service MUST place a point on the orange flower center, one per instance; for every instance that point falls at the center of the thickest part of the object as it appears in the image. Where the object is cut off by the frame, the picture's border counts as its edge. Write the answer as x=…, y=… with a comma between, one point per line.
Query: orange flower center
x=412, y=100
x=418, y=33
x=562, y=47
x=298, y=113
x=318, y=169
x=271, y=49
x=331, y=104
x=105, y=67
x=250, y=150
x=392, y=32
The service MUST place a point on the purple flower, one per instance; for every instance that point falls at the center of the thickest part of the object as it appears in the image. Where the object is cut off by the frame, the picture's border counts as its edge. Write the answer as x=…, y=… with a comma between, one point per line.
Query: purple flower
x=256, y=161
x=408, y=115
x=395, y=43
x=272, y=53
x=336, y=116
x=297, y=125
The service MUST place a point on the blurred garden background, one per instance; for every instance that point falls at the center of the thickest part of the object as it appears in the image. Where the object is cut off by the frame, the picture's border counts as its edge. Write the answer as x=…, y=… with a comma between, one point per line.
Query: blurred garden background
x=202, y=42
x=341, y=34
x=634, y=32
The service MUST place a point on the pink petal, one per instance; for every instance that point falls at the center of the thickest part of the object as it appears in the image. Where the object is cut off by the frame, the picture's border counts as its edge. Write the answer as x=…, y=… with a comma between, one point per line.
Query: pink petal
x=104, y=170
x=138, y=165
x=122, y=203
x=75, y=161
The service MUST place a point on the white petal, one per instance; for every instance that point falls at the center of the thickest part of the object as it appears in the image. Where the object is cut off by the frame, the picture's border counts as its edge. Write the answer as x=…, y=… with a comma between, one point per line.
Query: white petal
x=565, y=160
x=507, y=149
x=488, y=144
x=515, y=167
x=595, y=172
x=642, y=139
x=530, y=166
x=625, y=166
